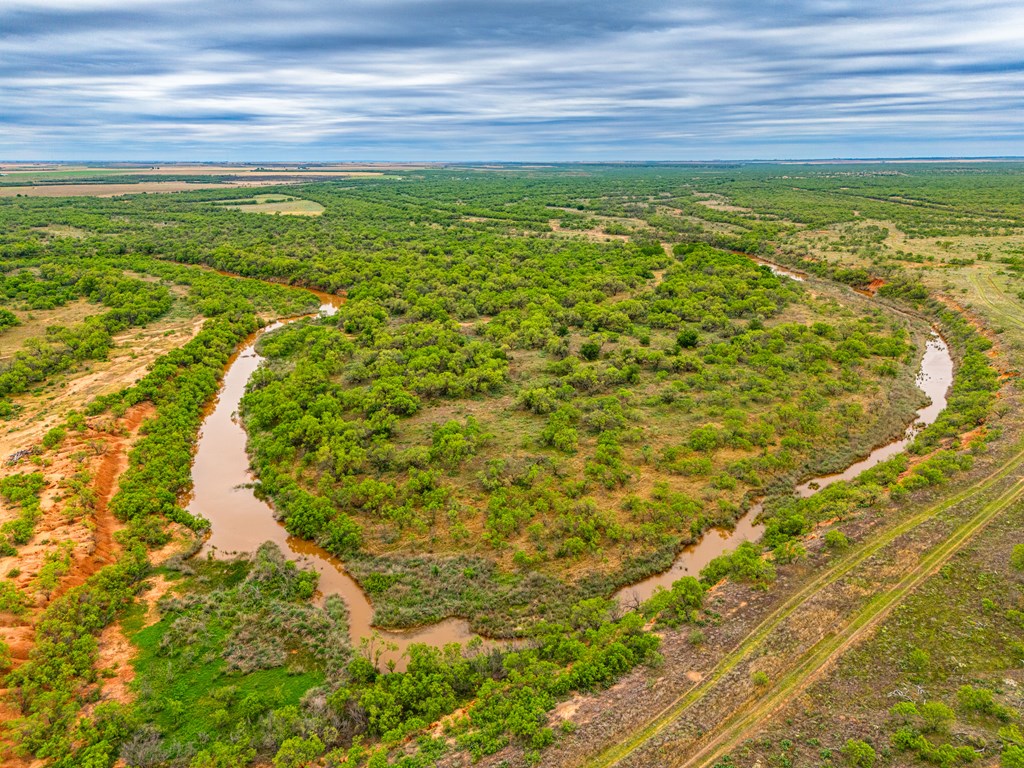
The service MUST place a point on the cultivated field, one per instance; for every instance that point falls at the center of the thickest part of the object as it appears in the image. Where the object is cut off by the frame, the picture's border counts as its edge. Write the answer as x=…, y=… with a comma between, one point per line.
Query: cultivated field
x=109, y=190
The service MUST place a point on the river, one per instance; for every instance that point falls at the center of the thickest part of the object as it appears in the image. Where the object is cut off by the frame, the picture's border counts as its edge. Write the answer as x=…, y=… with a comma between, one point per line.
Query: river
x=934, y=378
x=240, y=522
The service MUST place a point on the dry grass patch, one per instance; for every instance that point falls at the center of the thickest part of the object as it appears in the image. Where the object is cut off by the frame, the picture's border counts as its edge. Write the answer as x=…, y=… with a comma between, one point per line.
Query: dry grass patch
x=34, y=322
x=718, y=202
x=282, y=204
x=62, y=230
x=135, y=350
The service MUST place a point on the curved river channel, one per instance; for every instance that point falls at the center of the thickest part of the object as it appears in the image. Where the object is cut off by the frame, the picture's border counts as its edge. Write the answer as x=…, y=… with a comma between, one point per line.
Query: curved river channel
x=240, y=522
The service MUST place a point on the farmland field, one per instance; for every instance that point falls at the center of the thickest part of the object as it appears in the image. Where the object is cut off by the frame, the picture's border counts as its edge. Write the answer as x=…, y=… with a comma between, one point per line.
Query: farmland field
x=111, y=180
x=528, y=390
x=105, y=190
x=284, y=204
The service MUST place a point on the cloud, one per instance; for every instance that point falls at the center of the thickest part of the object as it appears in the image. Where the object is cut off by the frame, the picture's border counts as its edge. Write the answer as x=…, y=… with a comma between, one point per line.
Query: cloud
x=506, y=79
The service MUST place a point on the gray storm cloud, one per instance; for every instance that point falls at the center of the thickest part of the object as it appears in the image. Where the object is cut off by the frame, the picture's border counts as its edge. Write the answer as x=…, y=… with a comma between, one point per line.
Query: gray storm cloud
x=89, y=79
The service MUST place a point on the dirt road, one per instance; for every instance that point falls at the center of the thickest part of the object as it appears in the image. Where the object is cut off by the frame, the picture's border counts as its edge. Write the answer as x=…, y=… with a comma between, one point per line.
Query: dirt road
x=712, y=717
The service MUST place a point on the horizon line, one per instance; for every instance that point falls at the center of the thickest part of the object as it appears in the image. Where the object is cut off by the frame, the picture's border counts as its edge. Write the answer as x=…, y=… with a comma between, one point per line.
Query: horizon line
x=709, y=161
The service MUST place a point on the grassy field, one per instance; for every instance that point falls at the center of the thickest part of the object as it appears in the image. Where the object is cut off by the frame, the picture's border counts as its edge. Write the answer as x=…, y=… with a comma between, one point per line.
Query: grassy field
x=274, y=203
x=34, y=322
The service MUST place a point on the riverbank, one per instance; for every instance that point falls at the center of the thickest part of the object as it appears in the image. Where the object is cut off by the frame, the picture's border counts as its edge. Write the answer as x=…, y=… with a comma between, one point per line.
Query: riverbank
x=240, y=521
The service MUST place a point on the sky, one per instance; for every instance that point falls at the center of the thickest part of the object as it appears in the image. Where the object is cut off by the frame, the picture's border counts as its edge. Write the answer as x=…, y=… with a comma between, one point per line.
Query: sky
x=515, y=80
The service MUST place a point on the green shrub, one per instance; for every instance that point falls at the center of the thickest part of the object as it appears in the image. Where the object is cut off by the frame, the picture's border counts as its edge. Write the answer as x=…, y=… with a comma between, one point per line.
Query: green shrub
x=936, y=716
x=858, y=754
x=981, y=701
x=904, y=710
x=677, y=605
x=743, y=564
x=297, y=752
x=836, y=539
x=590, y=350
x=918, y=663
x=1012, y=757
x=1017, y=557
x=54, y=437
x=12, y=599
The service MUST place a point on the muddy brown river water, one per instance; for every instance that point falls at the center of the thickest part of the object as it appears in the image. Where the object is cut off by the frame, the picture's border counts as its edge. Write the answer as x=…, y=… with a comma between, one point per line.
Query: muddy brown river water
x=240, y=522
x=934, y=379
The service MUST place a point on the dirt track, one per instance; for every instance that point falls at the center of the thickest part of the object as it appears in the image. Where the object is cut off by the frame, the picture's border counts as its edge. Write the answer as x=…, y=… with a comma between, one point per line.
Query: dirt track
x=825, y=653
x=713, y=716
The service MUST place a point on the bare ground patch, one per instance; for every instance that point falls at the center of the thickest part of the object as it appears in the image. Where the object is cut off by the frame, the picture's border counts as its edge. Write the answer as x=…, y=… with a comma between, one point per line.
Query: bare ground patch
x=116, y=651
x=595, y=234
x=720, y=203
x=135, y=350
x=62, y=230
x=100, y=453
